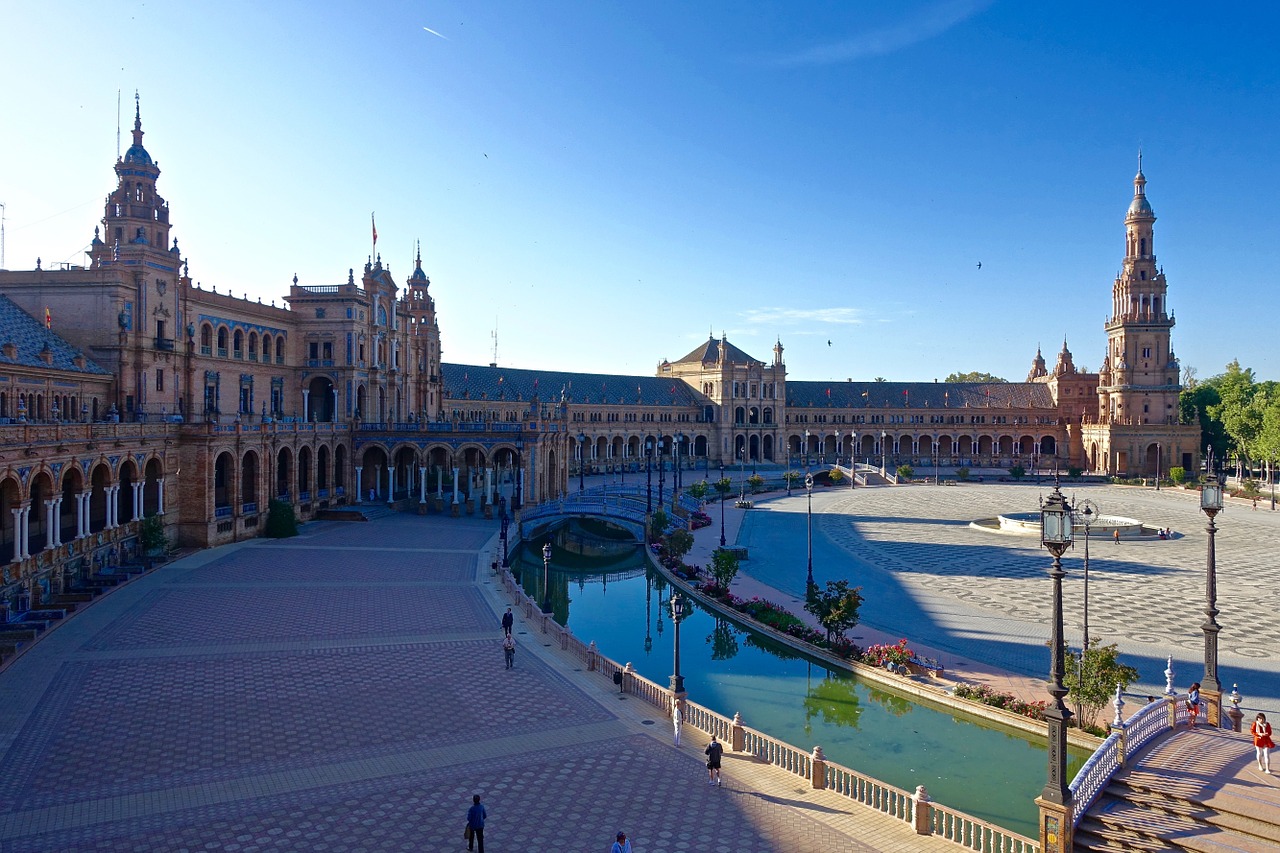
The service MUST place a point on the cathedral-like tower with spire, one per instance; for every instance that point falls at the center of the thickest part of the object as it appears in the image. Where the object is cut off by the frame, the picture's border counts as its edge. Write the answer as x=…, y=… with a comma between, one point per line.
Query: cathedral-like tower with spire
x=1136, y=426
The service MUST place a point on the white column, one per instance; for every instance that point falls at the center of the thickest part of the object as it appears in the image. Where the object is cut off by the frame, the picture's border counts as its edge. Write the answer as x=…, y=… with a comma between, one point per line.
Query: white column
x=488, y=486
x=335, y=404
x=391, y=484
x=160, y=496
x=422, y=485
x=137, y=500
x=440, y=482
x=53, y=523
x=359, y=484
x=17, y=532
x=377, y=481
x=110, y=493
x=455, y=485
x=306, y=395
x=25, y=536
x=82, y=507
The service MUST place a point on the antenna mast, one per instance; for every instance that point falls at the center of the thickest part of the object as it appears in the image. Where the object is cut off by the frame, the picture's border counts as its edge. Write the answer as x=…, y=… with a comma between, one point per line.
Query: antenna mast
x=494, y=335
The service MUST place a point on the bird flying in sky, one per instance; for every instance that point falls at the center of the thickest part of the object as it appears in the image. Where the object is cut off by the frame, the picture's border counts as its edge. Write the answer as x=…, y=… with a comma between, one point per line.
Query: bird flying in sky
x=979, y=264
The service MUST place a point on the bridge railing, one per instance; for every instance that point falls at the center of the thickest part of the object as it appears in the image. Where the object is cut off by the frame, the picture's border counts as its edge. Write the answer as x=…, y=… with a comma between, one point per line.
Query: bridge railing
x=1125, y=739
x=916, y=810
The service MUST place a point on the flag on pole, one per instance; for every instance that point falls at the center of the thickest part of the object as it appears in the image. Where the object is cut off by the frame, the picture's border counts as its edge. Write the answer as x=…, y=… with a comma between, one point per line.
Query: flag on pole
x=375, y=230
x=48, y=318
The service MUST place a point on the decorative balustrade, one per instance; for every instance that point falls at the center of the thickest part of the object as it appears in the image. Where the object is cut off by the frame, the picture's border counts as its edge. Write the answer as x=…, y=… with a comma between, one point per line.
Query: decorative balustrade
x=222, y=512
x=975, y=834
x=1125, y=739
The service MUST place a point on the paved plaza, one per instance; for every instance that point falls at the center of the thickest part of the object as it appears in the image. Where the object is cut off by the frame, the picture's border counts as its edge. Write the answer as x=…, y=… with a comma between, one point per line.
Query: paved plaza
x=345, y=691
x=984, y=597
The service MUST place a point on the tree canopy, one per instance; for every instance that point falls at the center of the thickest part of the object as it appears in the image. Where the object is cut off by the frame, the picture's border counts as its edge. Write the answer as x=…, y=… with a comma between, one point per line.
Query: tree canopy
x=973, y=376
x=1238, y=415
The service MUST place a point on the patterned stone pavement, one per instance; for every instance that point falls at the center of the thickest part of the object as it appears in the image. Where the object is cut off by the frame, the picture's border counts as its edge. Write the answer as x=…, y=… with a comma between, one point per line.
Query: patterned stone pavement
x=344, y=691
x=929, y=576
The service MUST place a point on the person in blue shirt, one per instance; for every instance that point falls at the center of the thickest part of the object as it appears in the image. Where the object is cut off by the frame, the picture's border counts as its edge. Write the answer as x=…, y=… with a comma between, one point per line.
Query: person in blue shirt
x=475, y=821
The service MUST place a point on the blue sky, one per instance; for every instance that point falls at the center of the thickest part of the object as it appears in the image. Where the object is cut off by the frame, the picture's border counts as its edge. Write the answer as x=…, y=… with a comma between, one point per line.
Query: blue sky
x=606, y=183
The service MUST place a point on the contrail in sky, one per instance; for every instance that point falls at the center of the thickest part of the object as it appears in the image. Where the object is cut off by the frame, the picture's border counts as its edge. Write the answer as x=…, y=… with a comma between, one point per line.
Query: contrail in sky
x=434, y=33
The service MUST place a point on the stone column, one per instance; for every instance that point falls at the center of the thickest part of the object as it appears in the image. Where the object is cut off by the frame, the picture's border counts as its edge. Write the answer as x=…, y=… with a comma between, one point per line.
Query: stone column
x=923, y=811
x=111, y=507
x=17, y=532
x=359, y=484
x=160, y=496
x=818, y=769
x=82, y=514
x=377, y=481
x=391, y=485
x=306, y=413
x=52, y=523
x=137, y=501
x=488, y=486
x=334, y=419
x=422, y=485
x=455, y=485
x=440, y=482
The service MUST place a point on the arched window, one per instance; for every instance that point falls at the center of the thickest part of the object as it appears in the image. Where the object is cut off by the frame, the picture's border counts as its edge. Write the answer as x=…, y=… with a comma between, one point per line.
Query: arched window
x=253, y=346
x=280, y=350
x=266, y=348
x=222, y=341
x=206, y=339
x=239, y=344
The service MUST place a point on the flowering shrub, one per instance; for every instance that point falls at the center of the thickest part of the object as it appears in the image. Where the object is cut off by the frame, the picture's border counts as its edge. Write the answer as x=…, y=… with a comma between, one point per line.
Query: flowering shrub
x=987, y=696
x=879, y=654
x=780, y=619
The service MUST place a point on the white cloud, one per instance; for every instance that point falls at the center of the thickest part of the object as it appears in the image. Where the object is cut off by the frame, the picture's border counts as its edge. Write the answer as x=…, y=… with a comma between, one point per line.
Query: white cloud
x=798, y=316
x=923, y=24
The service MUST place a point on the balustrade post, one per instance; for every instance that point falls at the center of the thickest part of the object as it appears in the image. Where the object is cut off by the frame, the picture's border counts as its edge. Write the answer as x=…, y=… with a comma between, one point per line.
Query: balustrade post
x=592, y=652
x=922, y=811
x=739, y=735
x=1118, y=729
x=628, y=673
x=817, y=769
x=564, y=637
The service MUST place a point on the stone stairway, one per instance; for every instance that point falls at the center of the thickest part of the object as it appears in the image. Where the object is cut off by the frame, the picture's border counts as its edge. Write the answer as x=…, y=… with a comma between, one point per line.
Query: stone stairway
x=1198, y=791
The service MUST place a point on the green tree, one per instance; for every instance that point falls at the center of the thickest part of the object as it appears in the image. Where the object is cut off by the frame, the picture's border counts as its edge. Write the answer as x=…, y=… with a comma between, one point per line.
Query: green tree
x=152, y=539
x=722, y=486
x=657, y=524
x=835, y=475
x=700, y=490
x=1017, y=472
x=1178, y=474
x=906, y=472
x=1091, y=679
x=835, y=608
x=723, y=640
x=678, y=543
x=962, y=474
x=792, y=476
x=281, y=521
x=724, y=567
x=755, y=481
x=973, y=376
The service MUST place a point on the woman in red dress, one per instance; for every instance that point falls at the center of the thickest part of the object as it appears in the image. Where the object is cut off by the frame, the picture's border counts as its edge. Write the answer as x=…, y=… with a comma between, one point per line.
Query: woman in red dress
x=1262, y=742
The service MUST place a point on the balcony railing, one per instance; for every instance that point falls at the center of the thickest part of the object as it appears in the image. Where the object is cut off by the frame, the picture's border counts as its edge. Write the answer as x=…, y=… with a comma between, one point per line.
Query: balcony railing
x=164, y=344
x=222, y=512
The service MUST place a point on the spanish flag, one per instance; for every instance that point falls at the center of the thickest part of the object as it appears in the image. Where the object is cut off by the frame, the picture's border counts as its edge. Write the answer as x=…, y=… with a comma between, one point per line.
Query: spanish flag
x=48, y=318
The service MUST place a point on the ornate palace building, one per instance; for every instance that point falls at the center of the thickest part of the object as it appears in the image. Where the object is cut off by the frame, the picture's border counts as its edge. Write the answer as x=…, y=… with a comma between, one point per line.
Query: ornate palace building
x=129, y=390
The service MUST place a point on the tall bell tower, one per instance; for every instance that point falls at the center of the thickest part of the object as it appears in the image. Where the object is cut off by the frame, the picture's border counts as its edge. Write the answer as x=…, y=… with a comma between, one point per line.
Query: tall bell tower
x=1139, y=381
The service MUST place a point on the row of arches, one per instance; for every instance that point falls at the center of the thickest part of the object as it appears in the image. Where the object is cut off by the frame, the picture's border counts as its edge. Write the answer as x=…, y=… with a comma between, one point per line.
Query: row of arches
x=259, y=348
x=52, y=510
x=33, y=406
x=245, y=484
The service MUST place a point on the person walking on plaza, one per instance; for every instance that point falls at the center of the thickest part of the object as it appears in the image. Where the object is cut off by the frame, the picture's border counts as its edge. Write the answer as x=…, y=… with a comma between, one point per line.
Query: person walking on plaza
x=475, y=822
x=1262, y=742
x=508, y=620
x=1193, y=704
x=621, y=843
x=1116, y=535
x=714, y=750
x=509, y=650
x=676, y=719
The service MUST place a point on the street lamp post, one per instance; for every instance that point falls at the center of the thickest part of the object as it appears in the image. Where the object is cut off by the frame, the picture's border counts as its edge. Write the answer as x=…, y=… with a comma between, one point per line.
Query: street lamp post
x=808, y=485
x=742, y=473
x=648, y=474
x=677, y=610
x=1056, y=801
x=788, y=476
x=582, y=462
x=853, y=460
x=806, y=450
x=721, y=494
x=506, y=522
x=884, y=450
x=1086, y=511
x=662, y=476
x=935, y=459
x=1159, y=459
x=1210, y=688
x=546, y=574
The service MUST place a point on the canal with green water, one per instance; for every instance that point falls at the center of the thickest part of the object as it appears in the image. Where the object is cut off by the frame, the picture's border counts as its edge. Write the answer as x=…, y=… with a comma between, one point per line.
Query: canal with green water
x=965, y=762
